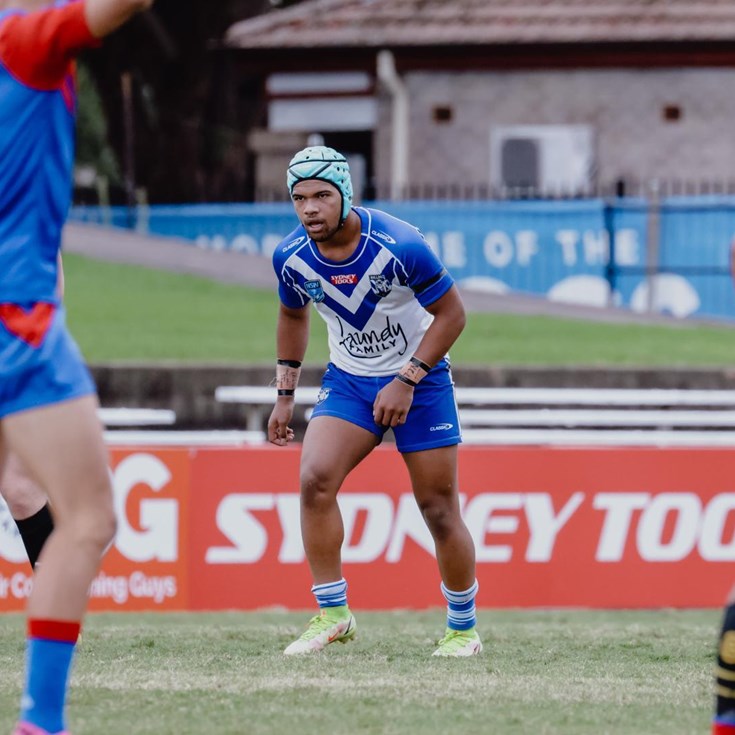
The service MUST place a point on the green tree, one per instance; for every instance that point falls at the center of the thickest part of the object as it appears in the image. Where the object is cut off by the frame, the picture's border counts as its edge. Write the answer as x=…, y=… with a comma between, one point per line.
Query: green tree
x=93, y=148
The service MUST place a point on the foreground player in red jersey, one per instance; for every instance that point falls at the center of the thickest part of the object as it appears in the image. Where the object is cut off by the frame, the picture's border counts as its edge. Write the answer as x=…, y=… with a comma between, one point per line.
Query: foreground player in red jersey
x=26, y=500
x=48, y=405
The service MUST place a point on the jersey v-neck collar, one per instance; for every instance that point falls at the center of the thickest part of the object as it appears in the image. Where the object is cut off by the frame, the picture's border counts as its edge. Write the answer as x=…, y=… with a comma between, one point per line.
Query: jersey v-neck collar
x=359, y=250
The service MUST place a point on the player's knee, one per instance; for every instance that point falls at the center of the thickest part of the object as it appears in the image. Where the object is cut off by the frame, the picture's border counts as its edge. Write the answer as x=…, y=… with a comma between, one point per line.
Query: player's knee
x=107, y=523
x=22, y=495
x=92, y=524
x=24, y=504
x=95, y=528
x=438, y=516
x=317, y=488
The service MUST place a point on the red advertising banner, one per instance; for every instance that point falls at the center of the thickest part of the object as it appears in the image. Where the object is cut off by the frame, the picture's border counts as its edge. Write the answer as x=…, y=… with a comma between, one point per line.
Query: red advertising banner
x=636, y=527
x=208, y=528
x=552, y=527
x=147, y=568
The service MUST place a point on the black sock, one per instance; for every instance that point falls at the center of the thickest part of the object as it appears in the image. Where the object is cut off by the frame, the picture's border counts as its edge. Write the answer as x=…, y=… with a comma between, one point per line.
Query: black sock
x=725, y=673
x=34, y=531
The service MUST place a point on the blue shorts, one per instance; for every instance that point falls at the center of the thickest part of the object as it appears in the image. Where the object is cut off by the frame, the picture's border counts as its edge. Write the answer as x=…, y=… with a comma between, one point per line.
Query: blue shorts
x=432, y=421
x=39, y=376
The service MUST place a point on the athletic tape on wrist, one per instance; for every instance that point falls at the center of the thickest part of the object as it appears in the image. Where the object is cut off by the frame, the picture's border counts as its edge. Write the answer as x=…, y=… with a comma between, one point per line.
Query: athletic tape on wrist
x=287, y=375
x=420, y=364
x=414, y=370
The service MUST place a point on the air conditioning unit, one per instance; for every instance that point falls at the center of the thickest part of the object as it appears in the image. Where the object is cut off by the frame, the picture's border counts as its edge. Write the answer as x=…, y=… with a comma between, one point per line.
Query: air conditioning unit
x=549, y=158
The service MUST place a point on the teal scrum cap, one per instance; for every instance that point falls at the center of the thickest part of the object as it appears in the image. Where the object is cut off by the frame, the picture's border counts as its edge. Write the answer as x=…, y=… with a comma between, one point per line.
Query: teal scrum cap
x=324, y=164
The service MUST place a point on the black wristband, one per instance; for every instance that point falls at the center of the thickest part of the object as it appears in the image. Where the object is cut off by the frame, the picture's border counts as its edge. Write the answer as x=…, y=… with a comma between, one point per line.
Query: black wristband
x=406, y=380
x=289, y=363
x=286, y=391
x=419, y=363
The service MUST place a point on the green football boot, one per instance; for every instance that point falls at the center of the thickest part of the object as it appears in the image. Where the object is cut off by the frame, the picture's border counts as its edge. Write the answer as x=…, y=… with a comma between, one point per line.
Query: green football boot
x=331, y=625
x=459, y=643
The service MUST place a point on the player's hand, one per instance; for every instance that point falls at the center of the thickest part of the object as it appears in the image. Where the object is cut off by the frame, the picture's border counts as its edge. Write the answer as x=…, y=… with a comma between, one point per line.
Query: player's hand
x=392, y=404
x=279, y=432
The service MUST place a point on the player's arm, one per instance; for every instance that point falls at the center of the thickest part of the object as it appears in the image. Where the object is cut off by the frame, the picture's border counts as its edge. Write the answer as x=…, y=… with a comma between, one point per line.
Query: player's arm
x=393, y=402
x=105, y=16
x=292, y=338
x=449, y=321
x=39, y=47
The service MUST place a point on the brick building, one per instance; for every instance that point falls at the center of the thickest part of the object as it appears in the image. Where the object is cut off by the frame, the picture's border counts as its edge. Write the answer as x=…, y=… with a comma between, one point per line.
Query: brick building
x=485, y=95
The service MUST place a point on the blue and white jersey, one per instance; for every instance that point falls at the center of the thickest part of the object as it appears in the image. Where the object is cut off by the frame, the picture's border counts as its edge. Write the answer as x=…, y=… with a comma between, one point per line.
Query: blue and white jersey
x=373, y=302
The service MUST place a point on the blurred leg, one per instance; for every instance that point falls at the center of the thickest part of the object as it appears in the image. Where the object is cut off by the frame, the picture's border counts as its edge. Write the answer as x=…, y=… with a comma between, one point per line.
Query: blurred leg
x=62, y=446
x=22, y=494
x=28, y=504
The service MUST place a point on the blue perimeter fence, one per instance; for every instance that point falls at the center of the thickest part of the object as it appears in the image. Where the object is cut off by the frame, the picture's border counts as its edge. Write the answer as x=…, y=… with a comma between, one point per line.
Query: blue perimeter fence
x=671, y=256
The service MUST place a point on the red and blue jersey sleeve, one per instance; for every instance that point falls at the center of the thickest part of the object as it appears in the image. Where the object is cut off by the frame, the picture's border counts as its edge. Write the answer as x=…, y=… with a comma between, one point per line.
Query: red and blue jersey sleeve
x=39, y=48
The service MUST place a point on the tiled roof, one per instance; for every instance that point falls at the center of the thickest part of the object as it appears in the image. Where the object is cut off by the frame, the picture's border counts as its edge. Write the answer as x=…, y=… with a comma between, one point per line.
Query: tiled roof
x=401, y=23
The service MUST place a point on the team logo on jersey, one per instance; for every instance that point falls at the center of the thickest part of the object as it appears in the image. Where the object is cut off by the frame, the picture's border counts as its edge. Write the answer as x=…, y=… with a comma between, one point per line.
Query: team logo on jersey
x=343, y=279
x=381, y=285
x=315, y=290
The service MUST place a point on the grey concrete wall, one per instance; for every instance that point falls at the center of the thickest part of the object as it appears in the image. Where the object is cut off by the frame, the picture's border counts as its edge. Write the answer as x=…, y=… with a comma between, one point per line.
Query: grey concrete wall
x=624, y=107
x=189, y=389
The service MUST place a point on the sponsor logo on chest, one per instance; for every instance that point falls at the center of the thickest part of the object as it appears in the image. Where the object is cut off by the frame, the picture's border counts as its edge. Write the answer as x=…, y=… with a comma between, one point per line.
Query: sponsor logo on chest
x=344, y=279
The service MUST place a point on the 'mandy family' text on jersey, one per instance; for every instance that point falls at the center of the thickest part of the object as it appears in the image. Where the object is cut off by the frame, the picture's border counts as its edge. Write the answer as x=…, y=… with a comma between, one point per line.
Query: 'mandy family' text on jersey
x=373, y=302
x=37, y=106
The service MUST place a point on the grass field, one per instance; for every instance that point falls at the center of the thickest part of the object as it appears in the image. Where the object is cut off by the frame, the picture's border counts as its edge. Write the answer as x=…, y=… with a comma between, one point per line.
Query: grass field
x=562, y=672
x=122, y=312
x=543, y=672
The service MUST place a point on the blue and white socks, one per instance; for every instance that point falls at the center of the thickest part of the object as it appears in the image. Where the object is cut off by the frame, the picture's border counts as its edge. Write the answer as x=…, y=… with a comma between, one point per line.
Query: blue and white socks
x=461, y=613
x=331, y=594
